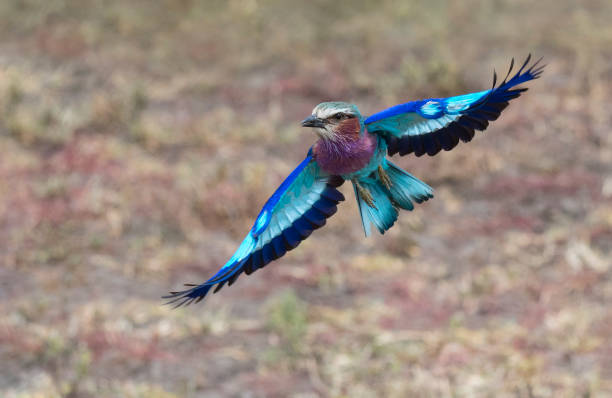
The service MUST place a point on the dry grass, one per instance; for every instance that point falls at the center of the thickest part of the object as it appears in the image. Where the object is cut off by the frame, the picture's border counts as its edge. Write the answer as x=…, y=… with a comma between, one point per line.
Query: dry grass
x=139, y=139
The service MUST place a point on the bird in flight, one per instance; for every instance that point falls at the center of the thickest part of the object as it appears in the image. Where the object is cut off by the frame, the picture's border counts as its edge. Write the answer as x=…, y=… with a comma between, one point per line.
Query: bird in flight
x=354, y=148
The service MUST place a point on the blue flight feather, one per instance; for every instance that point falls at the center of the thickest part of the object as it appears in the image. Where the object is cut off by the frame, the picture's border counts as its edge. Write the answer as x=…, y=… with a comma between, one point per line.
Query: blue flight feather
x=301, y=204
x=428, y=126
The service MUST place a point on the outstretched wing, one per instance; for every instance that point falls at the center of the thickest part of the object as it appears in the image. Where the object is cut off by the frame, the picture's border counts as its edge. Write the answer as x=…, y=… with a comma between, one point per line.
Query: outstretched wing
x=427, y=126
x=300, y=205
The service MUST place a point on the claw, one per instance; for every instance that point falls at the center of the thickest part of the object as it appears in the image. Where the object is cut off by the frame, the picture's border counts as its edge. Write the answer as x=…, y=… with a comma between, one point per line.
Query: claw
x=365, y=195
x=384, y=177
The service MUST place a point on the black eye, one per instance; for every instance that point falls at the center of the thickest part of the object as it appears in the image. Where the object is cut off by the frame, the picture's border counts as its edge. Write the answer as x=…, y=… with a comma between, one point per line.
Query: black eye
x=339, y=116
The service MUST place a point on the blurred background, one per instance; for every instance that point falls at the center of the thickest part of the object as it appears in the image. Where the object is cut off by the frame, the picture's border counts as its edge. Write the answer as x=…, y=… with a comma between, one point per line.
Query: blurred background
x=139, y=140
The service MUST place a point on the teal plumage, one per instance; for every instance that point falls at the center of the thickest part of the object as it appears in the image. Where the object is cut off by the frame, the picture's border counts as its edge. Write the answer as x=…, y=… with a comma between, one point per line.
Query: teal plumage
x=354, y=148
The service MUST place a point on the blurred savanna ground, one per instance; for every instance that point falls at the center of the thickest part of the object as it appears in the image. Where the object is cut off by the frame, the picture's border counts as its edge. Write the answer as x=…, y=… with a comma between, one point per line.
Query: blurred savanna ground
x=139, y=139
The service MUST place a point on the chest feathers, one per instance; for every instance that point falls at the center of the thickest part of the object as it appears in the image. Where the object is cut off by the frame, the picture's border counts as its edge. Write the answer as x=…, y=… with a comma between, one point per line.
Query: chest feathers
x=348, y=151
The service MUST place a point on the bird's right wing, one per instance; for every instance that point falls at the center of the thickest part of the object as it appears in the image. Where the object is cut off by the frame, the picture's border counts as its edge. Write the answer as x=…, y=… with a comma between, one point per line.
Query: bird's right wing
x=300, y=205
x=427, y=126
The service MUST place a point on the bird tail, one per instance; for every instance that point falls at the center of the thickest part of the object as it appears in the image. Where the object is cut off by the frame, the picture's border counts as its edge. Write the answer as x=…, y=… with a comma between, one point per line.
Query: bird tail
x=384, y=191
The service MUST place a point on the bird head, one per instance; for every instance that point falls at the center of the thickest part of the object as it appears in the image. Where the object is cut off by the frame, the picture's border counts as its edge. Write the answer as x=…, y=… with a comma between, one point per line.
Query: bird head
x=335, y=121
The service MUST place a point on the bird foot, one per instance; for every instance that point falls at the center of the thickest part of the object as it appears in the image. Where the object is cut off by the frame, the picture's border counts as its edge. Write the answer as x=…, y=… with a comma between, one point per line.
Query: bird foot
x=384, y=177
x=365, y=195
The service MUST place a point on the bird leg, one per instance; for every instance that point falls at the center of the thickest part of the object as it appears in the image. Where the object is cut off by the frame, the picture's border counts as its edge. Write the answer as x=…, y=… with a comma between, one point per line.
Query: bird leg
x=384, y=177
x=365, y=194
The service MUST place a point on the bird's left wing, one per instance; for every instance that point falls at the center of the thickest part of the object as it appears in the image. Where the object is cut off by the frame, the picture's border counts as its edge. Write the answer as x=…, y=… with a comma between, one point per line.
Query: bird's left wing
x=427, y=126
x=300, y=205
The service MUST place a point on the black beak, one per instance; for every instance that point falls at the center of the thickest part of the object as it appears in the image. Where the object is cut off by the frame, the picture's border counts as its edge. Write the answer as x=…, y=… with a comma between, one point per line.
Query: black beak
x=313, y=121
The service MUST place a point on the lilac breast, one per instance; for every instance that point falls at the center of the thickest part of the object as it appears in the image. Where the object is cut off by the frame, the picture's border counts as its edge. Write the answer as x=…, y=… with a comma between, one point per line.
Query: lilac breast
x=344, y=156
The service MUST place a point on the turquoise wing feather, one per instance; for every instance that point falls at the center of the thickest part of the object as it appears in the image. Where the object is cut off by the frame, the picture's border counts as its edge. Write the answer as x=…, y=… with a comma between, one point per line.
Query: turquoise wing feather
x=301, y=204
x=428, y=126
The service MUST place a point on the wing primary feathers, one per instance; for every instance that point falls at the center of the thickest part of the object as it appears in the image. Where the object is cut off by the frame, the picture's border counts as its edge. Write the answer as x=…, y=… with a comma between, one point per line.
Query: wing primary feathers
x=253, y=256
x=279, y=246
x=536, y=70
x=247, y=267
x=494, y=79
x=427, y=126
x=535, y=64
x=219, y=286
x=231, y=280
x=524, y=64
x=485, y=98
x=292, y=238
x=509, y=71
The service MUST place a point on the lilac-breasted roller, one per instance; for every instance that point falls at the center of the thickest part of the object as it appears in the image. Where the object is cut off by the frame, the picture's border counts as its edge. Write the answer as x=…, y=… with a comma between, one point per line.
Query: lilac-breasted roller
x=354, y=148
